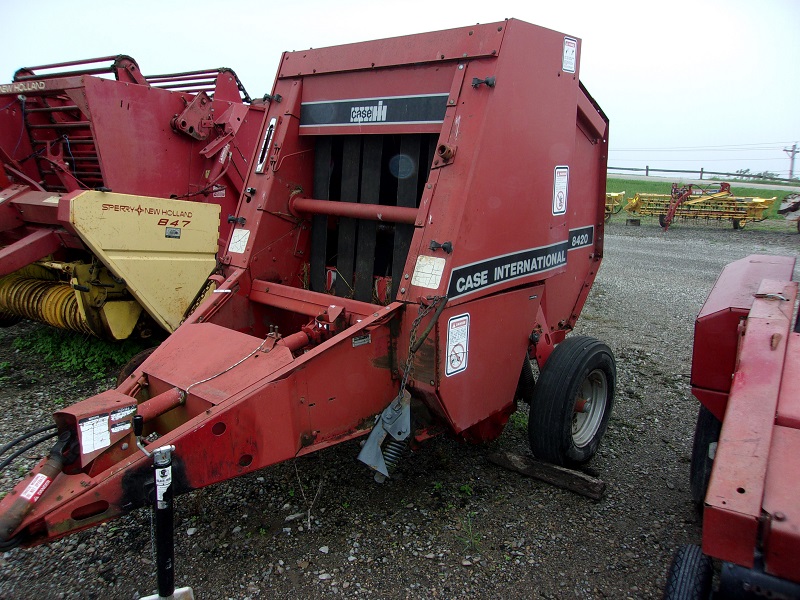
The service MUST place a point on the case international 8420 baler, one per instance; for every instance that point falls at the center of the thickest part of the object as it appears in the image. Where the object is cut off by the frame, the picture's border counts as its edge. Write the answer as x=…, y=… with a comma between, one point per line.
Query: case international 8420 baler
x=422, y=219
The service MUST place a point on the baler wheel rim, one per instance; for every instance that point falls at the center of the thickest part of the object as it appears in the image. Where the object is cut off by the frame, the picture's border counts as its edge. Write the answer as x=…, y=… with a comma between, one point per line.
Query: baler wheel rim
x=580, y=369
x=585, y=423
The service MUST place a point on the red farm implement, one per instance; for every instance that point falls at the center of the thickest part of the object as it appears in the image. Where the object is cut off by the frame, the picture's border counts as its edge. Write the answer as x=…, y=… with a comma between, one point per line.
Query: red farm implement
x=94, y=155
x=746, y=455
x=423, y=216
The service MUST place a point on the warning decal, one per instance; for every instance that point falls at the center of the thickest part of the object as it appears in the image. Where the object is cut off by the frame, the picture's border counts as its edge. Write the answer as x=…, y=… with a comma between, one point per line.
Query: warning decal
x=34, y=490
x=569, y=59
x=428, y=272
x=560, y=189
x=457, y=344
x=94, y=433
x=239, y=241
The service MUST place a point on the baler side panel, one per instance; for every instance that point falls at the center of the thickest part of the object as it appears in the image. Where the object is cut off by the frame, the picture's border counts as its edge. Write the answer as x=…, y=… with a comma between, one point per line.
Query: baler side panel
x=500, y=204
x=585, y=213
x=479, y=350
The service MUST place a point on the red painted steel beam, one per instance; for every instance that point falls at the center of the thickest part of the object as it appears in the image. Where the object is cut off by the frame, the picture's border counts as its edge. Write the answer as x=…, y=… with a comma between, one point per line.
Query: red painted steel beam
x=34, y=246
x=736, y=490
x=305, y=302
x=371, y=212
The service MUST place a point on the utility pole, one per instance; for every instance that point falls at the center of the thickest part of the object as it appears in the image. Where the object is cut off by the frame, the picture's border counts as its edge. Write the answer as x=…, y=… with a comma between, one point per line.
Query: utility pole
x=791, y=152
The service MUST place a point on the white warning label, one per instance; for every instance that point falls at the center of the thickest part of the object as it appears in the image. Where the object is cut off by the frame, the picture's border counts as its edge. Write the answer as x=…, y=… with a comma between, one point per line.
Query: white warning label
x=94, y=433
x=457, y=344
x=560, y=190
x=34, y=490
x=428, y=272
x=569, y=59
x=163, y=481
x=239, y=241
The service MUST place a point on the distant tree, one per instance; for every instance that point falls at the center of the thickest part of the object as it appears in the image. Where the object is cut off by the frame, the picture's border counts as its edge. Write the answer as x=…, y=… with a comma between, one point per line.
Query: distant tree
x=746, y=174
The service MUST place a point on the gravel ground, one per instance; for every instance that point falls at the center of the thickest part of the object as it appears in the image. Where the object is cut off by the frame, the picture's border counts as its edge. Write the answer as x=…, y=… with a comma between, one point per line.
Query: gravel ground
x=450, y=524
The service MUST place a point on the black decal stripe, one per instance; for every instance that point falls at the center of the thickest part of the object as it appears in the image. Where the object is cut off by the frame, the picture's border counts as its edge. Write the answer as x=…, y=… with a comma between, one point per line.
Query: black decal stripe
x=508, y=267
x=375, y=111
x=581, y=237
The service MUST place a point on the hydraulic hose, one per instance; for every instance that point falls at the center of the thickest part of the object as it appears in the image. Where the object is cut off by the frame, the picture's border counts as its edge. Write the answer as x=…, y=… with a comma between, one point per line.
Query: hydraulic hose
x=24, y=437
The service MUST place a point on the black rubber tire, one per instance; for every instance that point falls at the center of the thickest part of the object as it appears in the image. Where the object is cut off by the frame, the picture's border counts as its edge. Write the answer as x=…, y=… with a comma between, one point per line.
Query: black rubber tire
x=575, y=361
x=133, y=364
x=662, y=220
x=739, y=224
x=690, y=575
x=526, y=383
x=706, y=432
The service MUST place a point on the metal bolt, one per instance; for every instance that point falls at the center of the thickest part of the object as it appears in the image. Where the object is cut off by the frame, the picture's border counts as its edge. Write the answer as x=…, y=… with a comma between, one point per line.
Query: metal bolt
x=405, y=276
x=779, y=516
x=461, y=67
x=432, y=382
x=402, y=290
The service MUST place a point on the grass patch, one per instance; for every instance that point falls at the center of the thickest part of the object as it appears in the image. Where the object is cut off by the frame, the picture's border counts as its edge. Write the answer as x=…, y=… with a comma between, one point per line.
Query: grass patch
x=78, y=354
x=631, y=187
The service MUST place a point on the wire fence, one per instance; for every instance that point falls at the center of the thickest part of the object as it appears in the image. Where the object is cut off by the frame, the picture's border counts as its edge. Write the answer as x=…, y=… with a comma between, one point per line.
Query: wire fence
x=648, y=170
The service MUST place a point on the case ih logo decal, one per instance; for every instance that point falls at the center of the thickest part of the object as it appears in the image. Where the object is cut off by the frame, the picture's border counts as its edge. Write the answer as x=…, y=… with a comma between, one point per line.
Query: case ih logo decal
x=426, y=108
x=494, y=271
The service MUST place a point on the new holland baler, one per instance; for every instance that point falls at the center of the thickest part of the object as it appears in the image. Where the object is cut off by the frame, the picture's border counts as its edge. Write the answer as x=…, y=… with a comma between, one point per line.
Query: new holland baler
x=99, y=164
x=423, y=217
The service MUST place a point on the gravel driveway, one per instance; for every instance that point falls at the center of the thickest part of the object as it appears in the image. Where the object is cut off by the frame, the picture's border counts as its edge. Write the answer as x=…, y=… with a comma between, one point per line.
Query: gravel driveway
x=450, y=524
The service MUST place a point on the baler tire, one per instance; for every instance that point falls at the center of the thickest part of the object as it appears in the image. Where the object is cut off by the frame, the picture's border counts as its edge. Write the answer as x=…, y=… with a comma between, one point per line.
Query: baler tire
x=526, y=383
x=690, y=575
x=580, y=368
x=662, y=221
x=739, y=223
x=706, y=432
x=133, y=364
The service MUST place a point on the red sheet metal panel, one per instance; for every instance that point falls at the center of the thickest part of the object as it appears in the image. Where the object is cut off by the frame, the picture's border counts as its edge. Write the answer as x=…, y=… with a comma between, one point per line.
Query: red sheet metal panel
x=478, y=346
x=782, y=502
x=452, y=44
x=716, y=336
x=735, y=492
x=789, y=399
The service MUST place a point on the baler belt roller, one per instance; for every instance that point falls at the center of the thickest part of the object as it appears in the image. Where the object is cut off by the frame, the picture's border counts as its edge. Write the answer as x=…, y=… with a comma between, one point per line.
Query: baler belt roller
x=50, y=302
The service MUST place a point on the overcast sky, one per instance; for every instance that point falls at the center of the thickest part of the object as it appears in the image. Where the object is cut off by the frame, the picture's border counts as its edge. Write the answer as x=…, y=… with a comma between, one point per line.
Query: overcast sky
x=686, y=84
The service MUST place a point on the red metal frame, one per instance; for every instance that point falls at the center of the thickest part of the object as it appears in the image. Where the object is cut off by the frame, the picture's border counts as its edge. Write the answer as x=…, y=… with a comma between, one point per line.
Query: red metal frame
x=63, y=128
x=752, y=507
x=502, y=244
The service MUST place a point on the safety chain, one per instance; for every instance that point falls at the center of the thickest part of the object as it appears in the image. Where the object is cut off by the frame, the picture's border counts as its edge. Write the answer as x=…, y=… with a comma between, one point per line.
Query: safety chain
x=412, y=340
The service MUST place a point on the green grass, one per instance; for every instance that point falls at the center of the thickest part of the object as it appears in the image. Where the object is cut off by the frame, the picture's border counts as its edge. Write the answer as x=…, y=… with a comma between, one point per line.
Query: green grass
x=632, y=187
x=78, y=354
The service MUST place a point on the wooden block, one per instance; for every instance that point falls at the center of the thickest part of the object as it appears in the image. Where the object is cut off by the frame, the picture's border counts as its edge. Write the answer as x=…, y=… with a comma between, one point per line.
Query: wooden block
x=567, y=479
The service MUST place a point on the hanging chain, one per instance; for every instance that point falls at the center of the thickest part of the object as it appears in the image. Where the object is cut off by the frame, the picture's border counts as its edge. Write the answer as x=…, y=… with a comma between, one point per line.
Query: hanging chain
x=412, y=339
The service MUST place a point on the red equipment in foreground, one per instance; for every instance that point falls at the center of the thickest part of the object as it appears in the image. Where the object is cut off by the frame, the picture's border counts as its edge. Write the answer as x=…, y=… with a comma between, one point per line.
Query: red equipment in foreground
x=70, y=127
x=746, y=455
x=422, y=214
